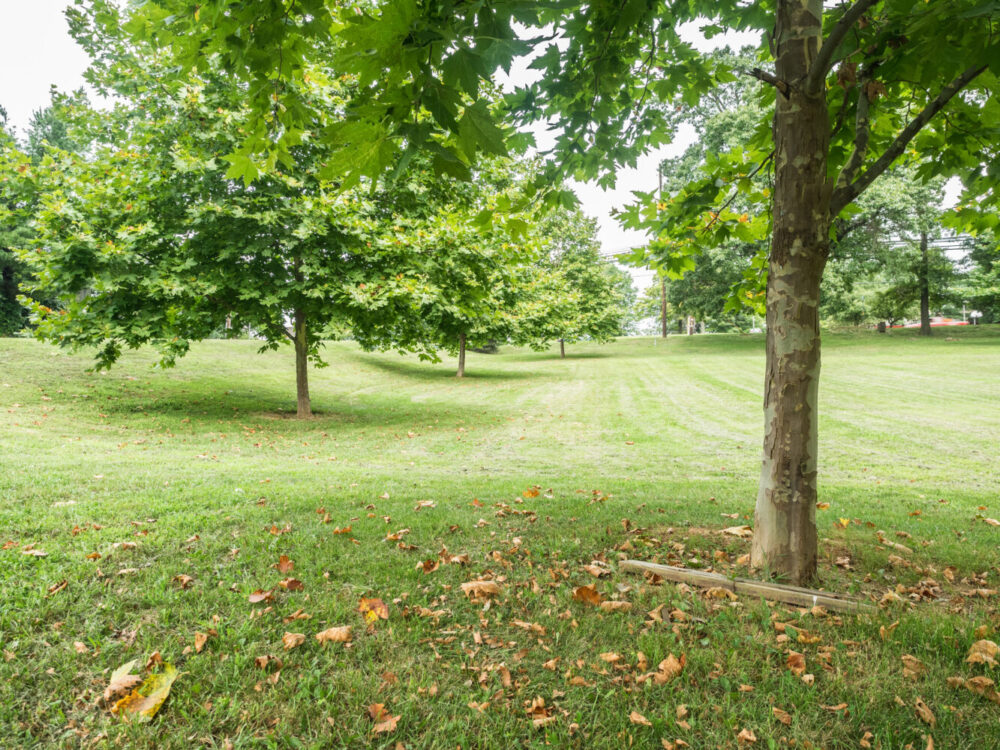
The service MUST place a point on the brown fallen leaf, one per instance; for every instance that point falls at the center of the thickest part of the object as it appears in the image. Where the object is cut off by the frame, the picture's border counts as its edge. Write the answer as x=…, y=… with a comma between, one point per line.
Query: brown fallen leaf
x=122, y=680
x=80, y=647
x=284, y=564
x=912, y=667
x=783, y=716
x=983, y=652
x=616, y=606
x=184, y=581
x=924, y=713
x=261, y=596
x=637, y=718
x=588, y=594
x=744, y=532
x=482, y=589
x=746, y=736
x=373, y=610
x=200, y=639
x=292, y=640
x=796, y=662
x=292, y=584
x=384, y=721
x=335, y=635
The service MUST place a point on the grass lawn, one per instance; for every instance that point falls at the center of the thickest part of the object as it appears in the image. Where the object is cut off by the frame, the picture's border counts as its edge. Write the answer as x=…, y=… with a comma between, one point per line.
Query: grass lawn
x=533, y=467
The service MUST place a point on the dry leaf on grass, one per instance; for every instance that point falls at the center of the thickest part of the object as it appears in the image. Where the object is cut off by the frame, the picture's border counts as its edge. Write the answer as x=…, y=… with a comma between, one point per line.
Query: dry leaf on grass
x=924, y=713
x=122, y=680
x=481, y=589
x=783, y=716
x=588, y=594
x=293, y=640
x=200, y=639
x=796, y=662
x=637, y=718
x=335, y=635
x=983, y=652
x=744, y=532
x=284, y=564
x=384, y=721
x=746, y=736
x=145, y=700
x=373, y=609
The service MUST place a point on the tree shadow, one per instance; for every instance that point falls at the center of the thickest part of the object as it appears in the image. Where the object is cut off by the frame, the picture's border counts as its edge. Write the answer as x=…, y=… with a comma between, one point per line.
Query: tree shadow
x=437, y=372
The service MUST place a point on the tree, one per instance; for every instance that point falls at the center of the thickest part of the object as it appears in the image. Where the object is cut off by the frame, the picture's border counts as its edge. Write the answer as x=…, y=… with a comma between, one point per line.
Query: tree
x=856, y=86
x=602, y=295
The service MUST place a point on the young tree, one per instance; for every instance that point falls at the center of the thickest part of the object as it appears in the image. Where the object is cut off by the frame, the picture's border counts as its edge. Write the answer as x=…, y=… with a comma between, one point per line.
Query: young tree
x=602, y=294
x=856, y=87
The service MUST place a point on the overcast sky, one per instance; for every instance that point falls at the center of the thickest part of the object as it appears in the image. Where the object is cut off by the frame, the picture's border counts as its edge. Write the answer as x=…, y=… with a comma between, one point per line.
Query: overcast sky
x=36, y=53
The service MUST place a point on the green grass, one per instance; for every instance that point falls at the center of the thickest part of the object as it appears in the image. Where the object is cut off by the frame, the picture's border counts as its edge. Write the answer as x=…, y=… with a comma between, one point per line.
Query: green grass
x=194, y=462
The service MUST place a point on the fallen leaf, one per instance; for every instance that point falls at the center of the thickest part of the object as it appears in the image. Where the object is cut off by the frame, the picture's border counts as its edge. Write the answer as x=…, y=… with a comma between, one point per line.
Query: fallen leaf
x=261, y=596
x=373, y=609
x=587, y=594
x=924, y=713
x=616, y=606
x=80, y=647
x=746, y=736
x=200, y=639
x=284, y=564
x=744, y=532
x=335, y=635
x=482, y=589
x=122, y=680
x=292, y=584
x=146, y=699
x=183, y=581
x=637, y=718
x=983, y=652
x=783, y=716
x=292, y=640
x=796, y=662
x=384, y=721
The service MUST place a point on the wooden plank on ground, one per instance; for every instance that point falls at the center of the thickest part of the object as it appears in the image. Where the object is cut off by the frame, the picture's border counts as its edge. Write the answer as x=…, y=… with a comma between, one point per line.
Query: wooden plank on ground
x=744, y=586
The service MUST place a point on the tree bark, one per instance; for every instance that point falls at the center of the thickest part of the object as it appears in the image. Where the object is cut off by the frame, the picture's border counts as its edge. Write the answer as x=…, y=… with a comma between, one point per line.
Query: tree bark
x=461, y=356
x=785, y=537
x=663, y=306
x=302, y=366
x=562, y=348
x=925, y=287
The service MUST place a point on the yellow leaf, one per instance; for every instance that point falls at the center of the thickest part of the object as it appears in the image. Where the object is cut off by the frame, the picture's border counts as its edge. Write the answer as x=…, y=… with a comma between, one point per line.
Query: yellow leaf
x=146, y=699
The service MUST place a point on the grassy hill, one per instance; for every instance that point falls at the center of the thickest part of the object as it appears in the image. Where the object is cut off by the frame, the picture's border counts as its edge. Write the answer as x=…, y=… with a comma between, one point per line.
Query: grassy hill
x=639, y=448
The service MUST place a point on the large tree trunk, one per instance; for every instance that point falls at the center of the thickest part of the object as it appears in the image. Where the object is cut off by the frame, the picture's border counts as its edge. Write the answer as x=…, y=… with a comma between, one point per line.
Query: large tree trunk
x=663, y=306
x=784, y=540
x=562, y=348
x=461, y=356
x=925, y=287
x=302, y=366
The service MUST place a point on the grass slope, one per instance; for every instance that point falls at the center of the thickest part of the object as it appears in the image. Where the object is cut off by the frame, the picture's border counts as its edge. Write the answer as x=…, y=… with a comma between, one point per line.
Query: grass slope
x=640, y=449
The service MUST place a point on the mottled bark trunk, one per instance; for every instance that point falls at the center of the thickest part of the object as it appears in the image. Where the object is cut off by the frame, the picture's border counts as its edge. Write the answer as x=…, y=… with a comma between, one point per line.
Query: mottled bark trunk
x=562, y=348
x=461, y=356
x=663, y=306
x=302, y=366
x=785, y=521
x=925, y=287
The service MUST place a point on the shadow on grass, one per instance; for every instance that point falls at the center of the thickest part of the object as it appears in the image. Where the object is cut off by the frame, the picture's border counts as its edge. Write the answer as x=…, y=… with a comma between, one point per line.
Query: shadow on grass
x=435, y=373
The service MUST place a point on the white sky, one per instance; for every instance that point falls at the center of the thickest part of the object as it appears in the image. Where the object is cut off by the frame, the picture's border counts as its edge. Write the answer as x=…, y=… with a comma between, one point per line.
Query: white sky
x=37, y=52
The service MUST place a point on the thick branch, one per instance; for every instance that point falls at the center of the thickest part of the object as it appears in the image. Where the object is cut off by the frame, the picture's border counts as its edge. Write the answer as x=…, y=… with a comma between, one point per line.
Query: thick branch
x=862, y=131
x=763, y=75
x=824, y=59
x=844, y=195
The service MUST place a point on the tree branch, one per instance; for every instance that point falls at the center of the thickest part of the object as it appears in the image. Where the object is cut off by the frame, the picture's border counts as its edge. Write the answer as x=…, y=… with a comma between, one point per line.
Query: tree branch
x=847, y=193
x=763, y=75
x=862, y=131
x=824, y=59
